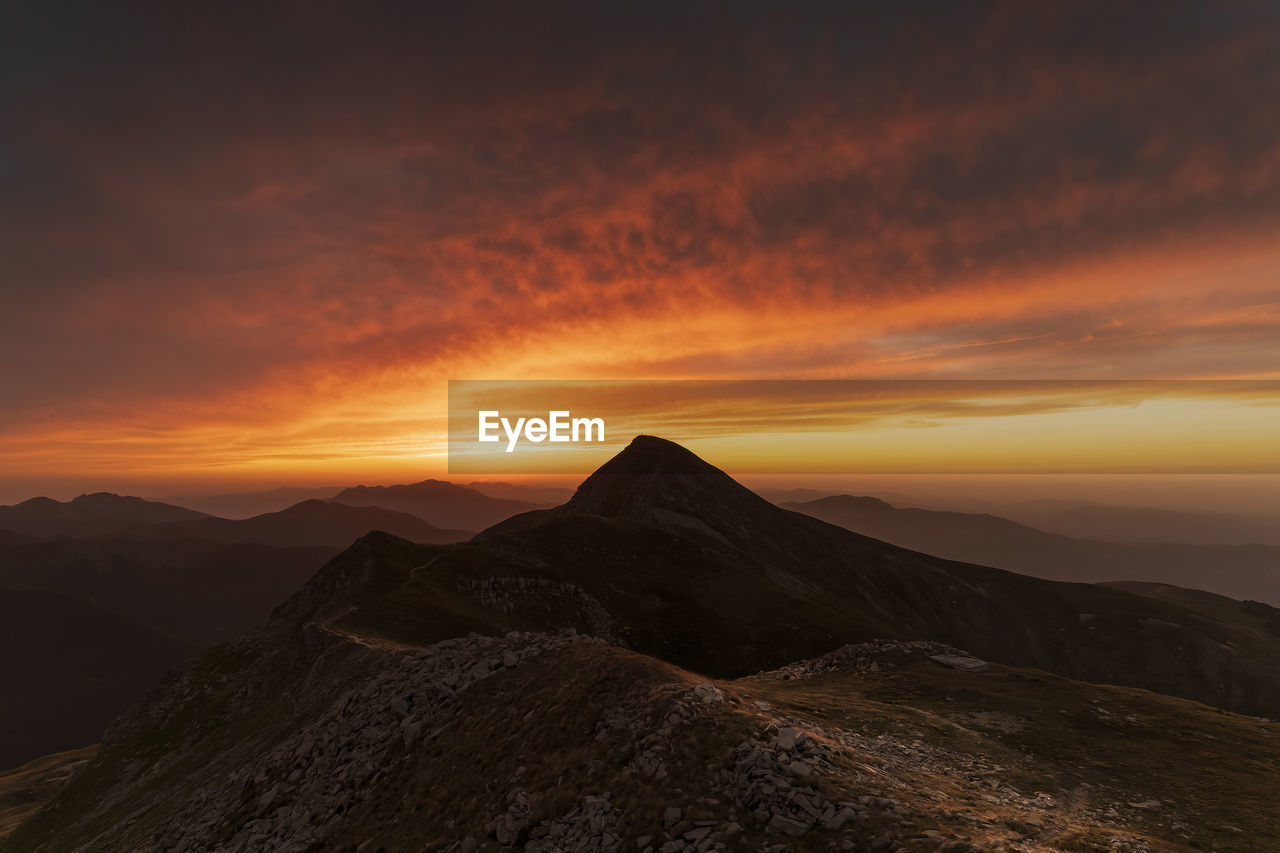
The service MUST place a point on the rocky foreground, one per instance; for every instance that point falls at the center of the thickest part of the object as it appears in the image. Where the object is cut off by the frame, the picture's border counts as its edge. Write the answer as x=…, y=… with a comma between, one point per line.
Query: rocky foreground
x=558, y=742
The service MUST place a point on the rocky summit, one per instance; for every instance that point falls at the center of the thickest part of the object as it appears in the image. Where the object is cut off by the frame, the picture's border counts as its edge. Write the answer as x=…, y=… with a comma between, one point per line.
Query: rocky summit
x=666, y=663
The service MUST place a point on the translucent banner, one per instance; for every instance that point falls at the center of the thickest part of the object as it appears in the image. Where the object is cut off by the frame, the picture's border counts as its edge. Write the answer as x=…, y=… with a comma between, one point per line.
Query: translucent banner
x=872, y=426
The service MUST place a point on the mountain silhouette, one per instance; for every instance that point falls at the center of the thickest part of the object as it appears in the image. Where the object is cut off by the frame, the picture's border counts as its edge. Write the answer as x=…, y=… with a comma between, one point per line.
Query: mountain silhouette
x=309, y=523
x=98, y=514
x=442, y=503
x=1238, y=571
x=1158, y=526
x=537, y=495
x=248, y=504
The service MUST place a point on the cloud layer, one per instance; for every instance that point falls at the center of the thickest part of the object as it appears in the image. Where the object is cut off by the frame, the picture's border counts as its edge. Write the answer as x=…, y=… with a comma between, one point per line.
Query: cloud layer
x=281, y=229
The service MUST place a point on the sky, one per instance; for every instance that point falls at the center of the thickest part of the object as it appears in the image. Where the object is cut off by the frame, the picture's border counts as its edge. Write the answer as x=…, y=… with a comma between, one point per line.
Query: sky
x=251, y=243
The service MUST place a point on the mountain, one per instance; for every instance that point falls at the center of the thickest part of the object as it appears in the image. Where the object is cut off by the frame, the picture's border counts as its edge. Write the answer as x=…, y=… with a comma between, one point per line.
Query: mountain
x=1237, y=571
x=439, y=502
x=536, y=495
x=68, y=668
x=781, y=496
x=201, y=592
x=753, y=678
x=99, y=514
x=666, y=554
x=310, y=523
x=1145, y=525
x=249, y=504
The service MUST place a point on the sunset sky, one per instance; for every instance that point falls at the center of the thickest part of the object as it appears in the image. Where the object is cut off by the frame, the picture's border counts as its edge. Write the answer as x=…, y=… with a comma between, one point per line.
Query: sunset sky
x=250, y=243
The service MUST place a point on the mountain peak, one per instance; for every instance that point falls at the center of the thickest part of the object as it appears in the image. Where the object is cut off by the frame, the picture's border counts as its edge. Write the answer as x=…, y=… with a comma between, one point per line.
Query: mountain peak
x=105, y=499
x=651, y=454
x=652, y=478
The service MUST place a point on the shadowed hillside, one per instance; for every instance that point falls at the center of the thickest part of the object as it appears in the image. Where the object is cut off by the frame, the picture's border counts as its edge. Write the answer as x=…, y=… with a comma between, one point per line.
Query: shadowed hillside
x=68, y=668
x=202, y=592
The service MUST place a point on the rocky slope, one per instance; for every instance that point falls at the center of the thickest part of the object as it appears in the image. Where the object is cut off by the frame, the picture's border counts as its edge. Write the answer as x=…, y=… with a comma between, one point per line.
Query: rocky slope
x=543, y=742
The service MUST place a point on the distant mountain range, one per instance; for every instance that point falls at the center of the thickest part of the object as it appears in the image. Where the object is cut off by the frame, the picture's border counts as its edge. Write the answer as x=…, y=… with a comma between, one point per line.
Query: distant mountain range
x=100, y=514
x=430, y=503
x=1238, y=571
x=248, y=504
x=1100, y=521
x=1152, y=526
x=537, y=495
x=442, y=503
x=312, y=522
x=669, y=660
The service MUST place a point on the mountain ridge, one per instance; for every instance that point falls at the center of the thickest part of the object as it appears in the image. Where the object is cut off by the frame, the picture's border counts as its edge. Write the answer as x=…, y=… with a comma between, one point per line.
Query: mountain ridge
x=95, y=514
x=442, y=503
x=311, y=522
x=1240, y=571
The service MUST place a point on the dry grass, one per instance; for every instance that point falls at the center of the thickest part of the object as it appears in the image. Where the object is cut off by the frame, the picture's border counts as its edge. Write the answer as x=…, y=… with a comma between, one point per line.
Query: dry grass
x=25, y=789
x=1093, y=749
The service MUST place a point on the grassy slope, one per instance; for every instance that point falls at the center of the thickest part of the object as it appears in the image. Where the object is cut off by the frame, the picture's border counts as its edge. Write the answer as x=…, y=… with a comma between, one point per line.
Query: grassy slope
x=23, y=790
x=1092, y=748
